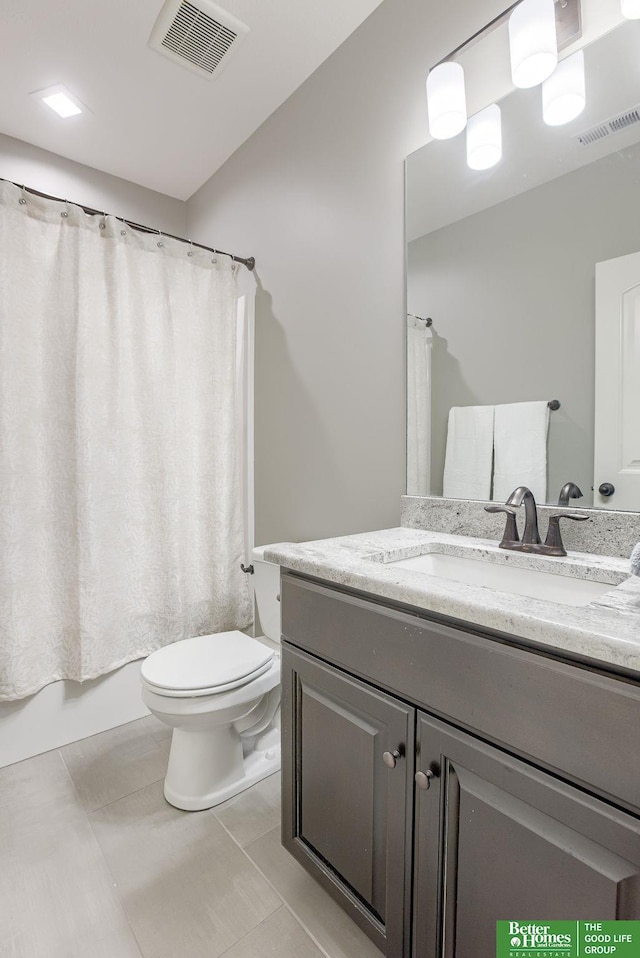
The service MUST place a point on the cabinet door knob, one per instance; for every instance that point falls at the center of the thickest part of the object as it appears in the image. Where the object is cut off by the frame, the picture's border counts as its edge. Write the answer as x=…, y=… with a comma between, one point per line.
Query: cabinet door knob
x=606, y=489
x=423, y=779
x=390, y=759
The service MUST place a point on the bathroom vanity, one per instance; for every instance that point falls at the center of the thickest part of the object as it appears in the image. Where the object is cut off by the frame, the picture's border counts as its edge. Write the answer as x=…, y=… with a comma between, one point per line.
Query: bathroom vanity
x=443, y=771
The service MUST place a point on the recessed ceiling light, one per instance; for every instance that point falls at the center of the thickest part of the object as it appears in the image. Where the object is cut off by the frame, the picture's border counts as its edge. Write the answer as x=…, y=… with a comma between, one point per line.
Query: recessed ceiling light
x=60, y=101
x=62, y=105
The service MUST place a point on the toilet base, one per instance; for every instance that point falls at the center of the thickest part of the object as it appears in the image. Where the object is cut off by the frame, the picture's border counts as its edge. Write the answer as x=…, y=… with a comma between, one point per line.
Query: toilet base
x=243, y=772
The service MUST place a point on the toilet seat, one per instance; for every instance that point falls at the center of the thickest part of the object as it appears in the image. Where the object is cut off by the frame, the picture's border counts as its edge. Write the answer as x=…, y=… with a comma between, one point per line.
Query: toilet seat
x=206, y=665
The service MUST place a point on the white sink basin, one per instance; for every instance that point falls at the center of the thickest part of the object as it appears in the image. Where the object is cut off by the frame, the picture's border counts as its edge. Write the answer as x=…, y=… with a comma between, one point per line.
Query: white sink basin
x=553, y=587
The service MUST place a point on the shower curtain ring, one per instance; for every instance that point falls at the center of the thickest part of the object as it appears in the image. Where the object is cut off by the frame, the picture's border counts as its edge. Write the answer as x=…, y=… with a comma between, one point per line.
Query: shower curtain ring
x=23, y=200
x=190, y=251
x=65, y=212
x=159, y=244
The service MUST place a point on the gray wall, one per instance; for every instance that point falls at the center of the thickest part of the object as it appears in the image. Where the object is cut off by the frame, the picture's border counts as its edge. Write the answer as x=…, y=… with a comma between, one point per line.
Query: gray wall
x=317, y=195
x=511, y=294
x=50, y=173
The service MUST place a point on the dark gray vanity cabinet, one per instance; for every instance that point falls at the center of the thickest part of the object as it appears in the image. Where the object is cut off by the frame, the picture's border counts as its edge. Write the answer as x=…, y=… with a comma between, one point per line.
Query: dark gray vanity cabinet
x=348, y=814
x=515, y=792
x=499, y=838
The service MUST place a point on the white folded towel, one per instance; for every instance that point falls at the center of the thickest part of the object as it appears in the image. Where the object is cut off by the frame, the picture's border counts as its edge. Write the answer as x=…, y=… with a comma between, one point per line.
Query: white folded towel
x=520, y=449
x=469, y=453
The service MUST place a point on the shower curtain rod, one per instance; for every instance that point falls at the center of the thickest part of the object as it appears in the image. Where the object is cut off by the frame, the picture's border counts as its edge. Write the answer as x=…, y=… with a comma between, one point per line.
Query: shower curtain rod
x=249, y=262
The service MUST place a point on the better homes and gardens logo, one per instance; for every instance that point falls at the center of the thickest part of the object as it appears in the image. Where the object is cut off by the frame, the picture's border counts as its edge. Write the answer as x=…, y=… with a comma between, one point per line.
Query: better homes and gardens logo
x=567, y=939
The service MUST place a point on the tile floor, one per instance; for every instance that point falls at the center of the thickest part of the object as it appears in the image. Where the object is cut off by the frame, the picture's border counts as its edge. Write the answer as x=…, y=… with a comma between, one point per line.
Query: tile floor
x=95, y=864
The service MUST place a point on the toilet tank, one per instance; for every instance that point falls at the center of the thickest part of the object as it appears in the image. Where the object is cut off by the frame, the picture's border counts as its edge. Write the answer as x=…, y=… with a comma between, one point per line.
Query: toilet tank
x=266, y=582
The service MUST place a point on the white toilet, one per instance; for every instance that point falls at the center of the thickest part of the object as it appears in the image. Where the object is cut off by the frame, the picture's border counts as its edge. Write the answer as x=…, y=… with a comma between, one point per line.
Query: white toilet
x=221, y=695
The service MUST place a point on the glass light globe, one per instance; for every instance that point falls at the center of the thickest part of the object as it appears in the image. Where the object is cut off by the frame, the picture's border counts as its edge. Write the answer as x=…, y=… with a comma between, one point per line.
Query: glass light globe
x=532, y=42
x=484, y=138
x=563, y=93
x=446, y=101
x=630, y=9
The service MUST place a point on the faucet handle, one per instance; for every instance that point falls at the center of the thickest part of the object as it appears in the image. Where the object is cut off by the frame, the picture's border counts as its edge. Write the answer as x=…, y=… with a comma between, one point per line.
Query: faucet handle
x=510, y=535
x=553, y=543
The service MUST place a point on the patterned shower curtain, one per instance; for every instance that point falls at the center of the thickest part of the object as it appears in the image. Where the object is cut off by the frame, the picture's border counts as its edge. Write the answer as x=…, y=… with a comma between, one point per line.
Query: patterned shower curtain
x=121, y=444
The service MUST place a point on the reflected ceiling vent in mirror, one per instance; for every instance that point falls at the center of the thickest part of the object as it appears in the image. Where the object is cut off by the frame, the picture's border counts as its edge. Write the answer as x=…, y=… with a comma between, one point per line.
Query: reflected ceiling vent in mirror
x=198, y=35
x=615, y=125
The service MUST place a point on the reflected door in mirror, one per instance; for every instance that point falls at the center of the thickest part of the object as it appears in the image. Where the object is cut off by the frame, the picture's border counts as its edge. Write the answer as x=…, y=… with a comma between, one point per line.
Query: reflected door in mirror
x=617, y=424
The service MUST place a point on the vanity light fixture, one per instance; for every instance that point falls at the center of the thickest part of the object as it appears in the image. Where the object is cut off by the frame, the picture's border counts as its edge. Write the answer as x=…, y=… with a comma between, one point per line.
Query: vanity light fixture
x=537, y=30
x=58, y=99
x=563, y=93
x=446, y=100
x=484, y=138
x=533, y=42
x=630, y=9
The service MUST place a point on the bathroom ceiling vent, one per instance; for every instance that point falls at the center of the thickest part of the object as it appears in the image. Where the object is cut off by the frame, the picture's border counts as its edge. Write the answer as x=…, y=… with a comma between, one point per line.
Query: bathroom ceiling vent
x=615, y=125
x=197, y=34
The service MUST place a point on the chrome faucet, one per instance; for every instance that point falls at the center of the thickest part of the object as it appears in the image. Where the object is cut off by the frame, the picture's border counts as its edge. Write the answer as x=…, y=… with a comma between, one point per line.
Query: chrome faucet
x=553, y=545
x=531, y=536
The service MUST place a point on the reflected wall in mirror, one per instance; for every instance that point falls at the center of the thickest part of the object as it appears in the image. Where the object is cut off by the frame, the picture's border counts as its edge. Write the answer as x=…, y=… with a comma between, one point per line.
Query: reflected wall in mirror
x=504, y=263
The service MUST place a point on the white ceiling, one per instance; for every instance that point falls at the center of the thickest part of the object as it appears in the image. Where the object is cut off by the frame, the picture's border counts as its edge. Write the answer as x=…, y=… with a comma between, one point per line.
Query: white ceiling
x=152, y=121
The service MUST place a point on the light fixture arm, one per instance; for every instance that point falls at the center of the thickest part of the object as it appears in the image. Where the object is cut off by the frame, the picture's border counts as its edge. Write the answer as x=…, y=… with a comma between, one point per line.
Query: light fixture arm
x=487, y=28
x=568, y=26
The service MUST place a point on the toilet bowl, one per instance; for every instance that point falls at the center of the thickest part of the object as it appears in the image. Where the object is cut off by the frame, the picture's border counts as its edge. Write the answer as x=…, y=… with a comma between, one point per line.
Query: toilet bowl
x=221, y=695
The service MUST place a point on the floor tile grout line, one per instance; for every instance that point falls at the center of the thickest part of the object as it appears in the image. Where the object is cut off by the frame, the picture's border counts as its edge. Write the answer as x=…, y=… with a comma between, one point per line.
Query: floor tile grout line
x=126, y=921
x=158, y=741
x=148, y=734
x=88, y=813
x=115, y=885
x=71, y=779
x=122, y=903
x=134, y=791
x=286, y=904
x=252, y=930
x=102, y=854
x=253, y=839
x=282, y=904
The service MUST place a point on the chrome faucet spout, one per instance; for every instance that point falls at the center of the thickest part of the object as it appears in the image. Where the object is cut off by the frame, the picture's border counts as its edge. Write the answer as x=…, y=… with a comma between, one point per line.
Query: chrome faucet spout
x=569, y=491
x=522, y=494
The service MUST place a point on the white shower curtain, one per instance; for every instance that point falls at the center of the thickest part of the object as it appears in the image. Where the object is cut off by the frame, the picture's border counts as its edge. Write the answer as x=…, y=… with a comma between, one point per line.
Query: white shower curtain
x=121, y=452
x=419, y=345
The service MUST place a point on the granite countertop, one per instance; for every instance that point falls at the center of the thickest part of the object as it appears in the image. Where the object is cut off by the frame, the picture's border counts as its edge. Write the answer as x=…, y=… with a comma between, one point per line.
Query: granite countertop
x=607, y=630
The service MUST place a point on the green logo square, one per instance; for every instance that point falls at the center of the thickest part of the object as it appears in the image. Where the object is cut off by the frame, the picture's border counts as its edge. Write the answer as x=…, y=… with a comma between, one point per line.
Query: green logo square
x=567, y=939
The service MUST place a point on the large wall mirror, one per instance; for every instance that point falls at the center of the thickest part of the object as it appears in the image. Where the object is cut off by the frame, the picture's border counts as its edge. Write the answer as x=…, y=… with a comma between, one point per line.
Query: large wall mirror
x=504, y=264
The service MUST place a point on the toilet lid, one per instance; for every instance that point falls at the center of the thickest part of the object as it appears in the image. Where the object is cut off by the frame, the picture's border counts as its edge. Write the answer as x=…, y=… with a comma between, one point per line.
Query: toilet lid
x=206, y=662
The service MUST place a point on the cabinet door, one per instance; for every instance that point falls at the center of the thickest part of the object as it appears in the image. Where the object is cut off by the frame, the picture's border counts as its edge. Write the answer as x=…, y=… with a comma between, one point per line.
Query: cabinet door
x=346, y=814
x=496, y=839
